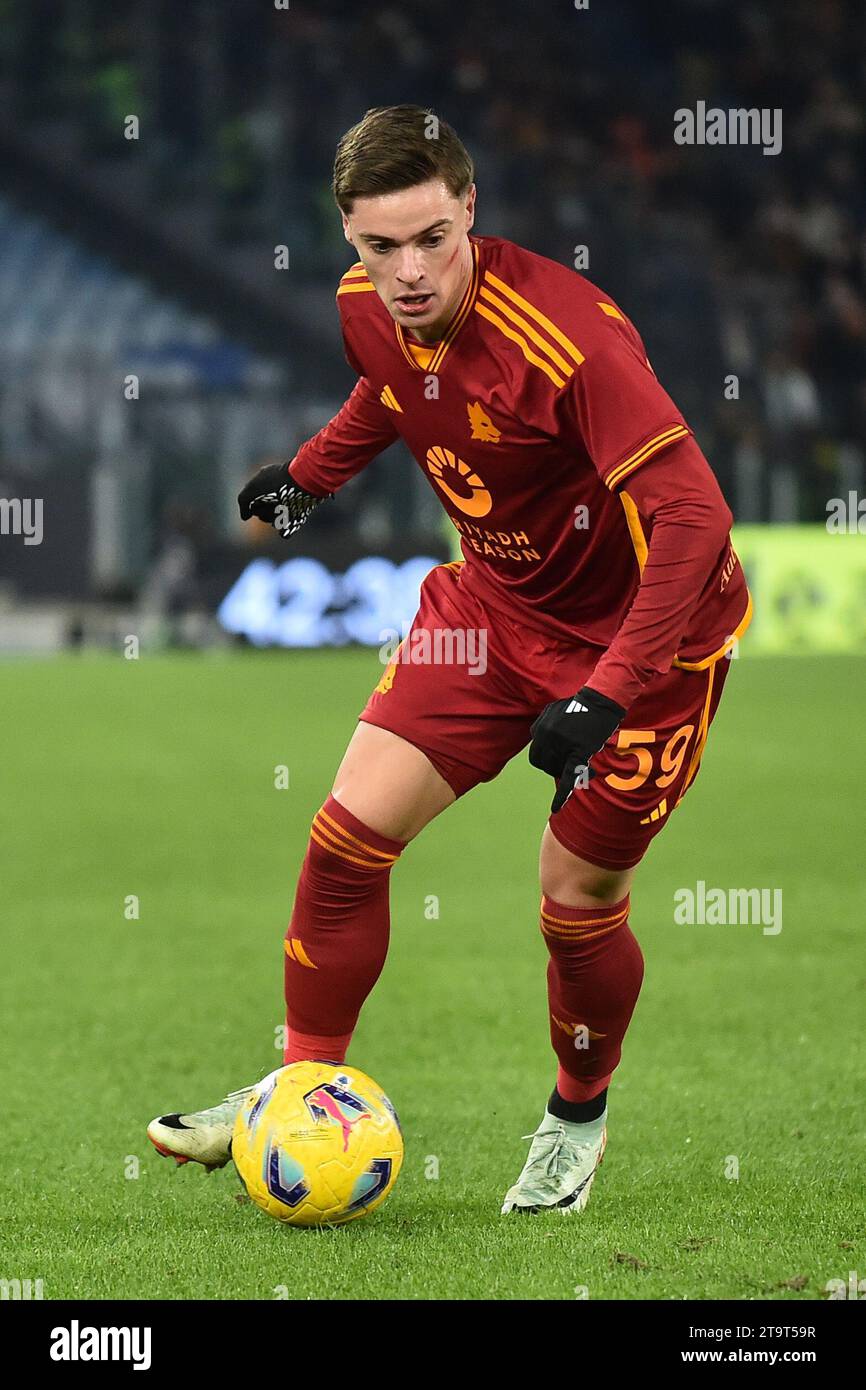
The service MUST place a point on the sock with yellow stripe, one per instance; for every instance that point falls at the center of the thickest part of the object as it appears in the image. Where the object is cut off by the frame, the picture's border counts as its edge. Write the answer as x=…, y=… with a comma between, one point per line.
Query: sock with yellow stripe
x=337, y=939
x=593, y=980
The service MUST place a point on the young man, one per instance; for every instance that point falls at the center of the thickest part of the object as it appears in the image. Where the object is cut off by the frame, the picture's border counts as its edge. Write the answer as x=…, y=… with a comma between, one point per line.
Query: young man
x=598, y=577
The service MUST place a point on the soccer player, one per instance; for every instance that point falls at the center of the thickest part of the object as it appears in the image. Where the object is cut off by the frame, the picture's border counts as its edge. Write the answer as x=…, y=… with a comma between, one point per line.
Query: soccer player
x=598, y=581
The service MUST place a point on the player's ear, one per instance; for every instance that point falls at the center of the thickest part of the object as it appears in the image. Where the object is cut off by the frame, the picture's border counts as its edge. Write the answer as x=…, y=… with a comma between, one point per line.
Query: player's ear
x=470, y=207
x=346, y=233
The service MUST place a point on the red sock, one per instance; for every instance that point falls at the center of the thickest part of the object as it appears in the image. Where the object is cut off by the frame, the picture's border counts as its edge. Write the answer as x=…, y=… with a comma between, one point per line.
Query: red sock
x=593, y=981
x=337, y=939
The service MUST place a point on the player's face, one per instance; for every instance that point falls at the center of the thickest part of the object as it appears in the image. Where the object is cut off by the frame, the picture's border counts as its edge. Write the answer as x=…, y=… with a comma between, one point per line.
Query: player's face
x=416, y=251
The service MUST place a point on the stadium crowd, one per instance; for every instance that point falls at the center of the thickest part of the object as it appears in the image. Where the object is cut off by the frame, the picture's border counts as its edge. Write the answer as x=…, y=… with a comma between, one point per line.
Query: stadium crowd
x=730, y=261
x=745, y=272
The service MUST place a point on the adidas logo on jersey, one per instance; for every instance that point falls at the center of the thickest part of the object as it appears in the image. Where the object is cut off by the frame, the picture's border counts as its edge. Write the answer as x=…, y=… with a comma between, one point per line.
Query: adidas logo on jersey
x=388, y=398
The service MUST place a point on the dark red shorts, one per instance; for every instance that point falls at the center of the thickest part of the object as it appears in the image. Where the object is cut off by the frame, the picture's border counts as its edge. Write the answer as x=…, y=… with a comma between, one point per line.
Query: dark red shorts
x=467, y=683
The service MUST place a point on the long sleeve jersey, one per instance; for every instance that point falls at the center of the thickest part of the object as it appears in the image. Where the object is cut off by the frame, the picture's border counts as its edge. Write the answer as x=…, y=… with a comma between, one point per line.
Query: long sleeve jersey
x=585, y=508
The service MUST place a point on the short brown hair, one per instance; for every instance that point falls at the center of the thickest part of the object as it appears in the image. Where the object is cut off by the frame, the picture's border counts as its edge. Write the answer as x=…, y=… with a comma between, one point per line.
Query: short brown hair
x=396, y=147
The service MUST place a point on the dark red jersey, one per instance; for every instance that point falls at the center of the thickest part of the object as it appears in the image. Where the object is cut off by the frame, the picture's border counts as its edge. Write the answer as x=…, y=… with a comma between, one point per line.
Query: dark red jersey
x=530, y=420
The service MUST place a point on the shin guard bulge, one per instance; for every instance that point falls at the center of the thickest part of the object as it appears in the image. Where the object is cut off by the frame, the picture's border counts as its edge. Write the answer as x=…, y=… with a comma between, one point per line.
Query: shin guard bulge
x=337, y=938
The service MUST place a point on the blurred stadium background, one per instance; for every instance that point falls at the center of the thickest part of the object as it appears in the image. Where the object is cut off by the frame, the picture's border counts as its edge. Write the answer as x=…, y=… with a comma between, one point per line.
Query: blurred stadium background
x=153, y=258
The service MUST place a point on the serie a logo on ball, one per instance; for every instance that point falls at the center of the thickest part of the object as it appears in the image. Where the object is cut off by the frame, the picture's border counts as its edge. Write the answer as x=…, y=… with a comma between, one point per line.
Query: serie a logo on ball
x=317, y=1144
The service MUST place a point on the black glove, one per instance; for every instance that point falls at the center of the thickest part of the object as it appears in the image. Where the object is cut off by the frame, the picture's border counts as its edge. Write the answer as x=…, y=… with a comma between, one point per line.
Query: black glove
x=566, y=735
x=272, y=496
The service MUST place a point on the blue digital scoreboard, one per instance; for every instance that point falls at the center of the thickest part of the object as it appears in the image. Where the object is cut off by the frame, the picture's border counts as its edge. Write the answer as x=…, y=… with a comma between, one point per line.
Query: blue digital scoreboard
x=302, y=603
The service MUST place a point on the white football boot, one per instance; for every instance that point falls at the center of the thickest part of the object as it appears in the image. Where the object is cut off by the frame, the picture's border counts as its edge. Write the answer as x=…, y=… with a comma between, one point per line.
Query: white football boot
x=201, y=1137
x=559, y=1171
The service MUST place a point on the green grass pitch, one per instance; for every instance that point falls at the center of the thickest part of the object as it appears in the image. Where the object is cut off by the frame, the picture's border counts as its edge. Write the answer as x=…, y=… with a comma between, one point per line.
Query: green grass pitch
x=156, y=778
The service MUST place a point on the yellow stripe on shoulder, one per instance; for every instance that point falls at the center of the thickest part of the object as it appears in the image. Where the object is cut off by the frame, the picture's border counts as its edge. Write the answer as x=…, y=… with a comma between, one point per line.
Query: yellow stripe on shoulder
x=526, y=328
x=521, y=342
x=571, y=349
x=355, y=287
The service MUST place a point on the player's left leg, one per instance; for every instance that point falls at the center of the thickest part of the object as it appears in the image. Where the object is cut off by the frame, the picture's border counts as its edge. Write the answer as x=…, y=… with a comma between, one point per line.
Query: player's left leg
x=589, y=853
x=594, y=973
x=594, y=976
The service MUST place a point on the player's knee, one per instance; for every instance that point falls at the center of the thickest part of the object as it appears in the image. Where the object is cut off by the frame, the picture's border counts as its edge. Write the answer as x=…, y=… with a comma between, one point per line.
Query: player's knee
x=575, y=882
x=345, y=858
x=338, y=869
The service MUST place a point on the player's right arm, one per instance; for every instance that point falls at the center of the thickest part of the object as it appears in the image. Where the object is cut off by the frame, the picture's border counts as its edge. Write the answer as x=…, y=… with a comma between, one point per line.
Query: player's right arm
x=284, y=494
